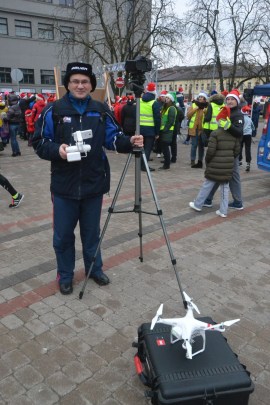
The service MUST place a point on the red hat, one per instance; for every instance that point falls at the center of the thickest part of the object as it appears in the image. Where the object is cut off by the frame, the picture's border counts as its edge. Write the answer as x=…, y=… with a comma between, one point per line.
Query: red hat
x=181, y=90
x=246, y=109
x=224, y=113
x=23, y=95
x=40, y=96
x=151, y=88
x=224, y=93
x=163, y=92
x=235, y=94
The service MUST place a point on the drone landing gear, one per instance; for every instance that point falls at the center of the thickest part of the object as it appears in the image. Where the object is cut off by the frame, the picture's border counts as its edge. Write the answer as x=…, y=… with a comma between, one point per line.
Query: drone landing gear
x=139, y=157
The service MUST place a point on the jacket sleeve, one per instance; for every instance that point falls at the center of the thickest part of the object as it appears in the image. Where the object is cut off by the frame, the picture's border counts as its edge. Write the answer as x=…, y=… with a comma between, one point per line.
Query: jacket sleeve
x=191, y=111
x=212, y=146
x=208, y=114
x=157, y=117
x=237, y=126
x=43, y=139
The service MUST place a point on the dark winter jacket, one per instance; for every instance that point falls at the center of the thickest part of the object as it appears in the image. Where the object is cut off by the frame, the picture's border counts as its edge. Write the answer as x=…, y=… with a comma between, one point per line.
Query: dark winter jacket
x=223, y=148
x=152, y=131
x=128, y=117
x=14, y=113
x=90, y=176
x=237, y=123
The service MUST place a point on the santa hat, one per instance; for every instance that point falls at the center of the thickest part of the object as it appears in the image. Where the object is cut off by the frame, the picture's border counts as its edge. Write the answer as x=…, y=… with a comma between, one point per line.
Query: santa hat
x=235, y=94
x=202, y=94
x=246, y=110
x=39, y=97
x=163, y=93
x=151, y=88
x=181, y=90
x=224, y=113
x=224, y=93
x=23, y=95
x=171, y=97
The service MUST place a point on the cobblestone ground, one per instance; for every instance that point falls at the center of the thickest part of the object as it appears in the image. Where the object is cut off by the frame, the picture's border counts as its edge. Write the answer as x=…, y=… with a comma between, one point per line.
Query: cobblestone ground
x=62, y=350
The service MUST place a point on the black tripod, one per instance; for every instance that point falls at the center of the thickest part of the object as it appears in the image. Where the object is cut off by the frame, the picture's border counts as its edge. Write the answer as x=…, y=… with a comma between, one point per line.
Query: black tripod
x=139, y=157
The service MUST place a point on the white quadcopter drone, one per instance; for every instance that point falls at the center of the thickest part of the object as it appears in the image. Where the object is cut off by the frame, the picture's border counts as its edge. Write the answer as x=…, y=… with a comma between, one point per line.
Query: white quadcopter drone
x=187, y=328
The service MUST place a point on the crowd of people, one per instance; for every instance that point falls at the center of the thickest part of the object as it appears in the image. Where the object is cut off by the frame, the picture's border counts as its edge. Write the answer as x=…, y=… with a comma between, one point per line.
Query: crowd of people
x=219, y=127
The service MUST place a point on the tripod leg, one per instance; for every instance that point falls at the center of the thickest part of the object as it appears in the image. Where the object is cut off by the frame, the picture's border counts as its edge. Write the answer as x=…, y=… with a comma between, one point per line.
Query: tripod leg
x=159, y=212
x=138, y=197
x=110, y=211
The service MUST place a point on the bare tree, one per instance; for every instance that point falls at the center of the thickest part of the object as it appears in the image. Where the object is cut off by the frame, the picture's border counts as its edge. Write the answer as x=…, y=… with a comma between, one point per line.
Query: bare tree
x=224, y=32
x=119, y=30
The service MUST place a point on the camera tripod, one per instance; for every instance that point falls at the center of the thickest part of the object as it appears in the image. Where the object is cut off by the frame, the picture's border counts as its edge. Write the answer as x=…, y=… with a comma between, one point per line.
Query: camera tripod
x=139, y=157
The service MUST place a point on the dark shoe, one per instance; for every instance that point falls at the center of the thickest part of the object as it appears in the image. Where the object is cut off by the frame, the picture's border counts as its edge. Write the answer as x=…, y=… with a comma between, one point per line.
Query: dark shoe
x=173, y=160
x=248, y=167
x=198, y=165
x=101, y=279
x=163, y=168
x=236, y=205
x=151, y=169
x=14, y=154
x=18, y=154
x=66, y=288
x=16, y=201
x=192, y=163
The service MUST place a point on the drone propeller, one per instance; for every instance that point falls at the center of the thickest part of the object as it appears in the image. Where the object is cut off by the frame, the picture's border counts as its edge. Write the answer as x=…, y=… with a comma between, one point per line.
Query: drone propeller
x=157, y=316
x=191, y=303
x=221, y=326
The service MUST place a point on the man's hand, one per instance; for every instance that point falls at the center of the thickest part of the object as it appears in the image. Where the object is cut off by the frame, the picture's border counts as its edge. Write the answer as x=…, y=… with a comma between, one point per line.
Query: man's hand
x=224, y=123
x=137, y=140
x=62, y=151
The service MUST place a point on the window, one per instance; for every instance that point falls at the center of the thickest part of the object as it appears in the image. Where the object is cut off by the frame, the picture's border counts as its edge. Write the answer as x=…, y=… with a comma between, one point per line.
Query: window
x=249, y=85
x=3, y=26
x=23, y=29
x=66, y=32
x=47, y=77
x=28, y=76
x=202, y=86
x=208, y=86
x=5, y=75
x=197, y=86
x=66, y=3
x=46, y=1
x=45, y=31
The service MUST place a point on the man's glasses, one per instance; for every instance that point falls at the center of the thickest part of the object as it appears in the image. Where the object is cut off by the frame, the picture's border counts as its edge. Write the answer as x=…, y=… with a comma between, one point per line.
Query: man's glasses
x=82, y=82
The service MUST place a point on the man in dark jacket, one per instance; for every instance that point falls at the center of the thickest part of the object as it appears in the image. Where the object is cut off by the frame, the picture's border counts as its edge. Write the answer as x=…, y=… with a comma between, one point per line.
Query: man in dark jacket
x=233, y=126
x=14, y=114
x=77, y=186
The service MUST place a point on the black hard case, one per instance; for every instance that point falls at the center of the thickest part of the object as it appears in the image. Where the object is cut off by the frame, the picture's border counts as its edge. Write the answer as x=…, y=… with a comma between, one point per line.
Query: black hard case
x=213, y=377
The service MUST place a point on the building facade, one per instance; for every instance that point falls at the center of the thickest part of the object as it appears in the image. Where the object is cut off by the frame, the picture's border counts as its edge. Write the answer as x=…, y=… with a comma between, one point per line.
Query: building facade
x=31, y=42
x=194, y=79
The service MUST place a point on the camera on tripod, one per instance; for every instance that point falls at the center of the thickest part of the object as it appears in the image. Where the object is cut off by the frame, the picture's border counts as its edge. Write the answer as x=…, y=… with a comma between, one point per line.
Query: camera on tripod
x=136, y=70
x=76, y=152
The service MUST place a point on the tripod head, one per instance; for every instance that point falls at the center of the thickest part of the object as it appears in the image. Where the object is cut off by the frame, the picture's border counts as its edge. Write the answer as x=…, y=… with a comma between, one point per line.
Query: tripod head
x=136, y=70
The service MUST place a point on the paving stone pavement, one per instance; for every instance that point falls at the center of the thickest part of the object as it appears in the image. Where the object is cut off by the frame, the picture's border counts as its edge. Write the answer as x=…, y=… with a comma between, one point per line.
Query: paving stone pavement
x=62, y=350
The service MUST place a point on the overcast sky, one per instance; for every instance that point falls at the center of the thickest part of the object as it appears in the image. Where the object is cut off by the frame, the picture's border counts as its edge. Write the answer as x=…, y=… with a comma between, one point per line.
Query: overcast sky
x=181, y=6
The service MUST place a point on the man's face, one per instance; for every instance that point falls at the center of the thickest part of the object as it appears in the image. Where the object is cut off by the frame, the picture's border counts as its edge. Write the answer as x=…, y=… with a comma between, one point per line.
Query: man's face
x=79, y=86
x=231, y=102
x=201, y=99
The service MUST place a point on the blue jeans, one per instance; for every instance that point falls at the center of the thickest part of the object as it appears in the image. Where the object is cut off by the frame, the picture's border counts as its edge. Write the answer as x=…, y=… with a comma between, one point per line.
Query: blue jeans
x=196, y=143
x=13, y=131
x=66, y=214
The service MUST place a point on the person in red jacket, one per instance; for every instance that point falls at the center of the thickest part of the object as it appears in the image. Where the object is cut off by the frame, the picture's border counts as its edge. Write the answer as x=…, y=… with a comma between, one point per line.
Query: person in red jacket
x=30, y=127
x=38, y=107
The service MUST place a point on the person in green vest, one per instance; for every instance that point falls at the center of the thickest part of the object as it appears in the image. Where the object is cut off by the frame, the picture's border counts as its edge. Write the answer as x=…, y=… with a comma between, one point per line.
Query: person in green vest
x=195, y=115
x=168, y=118
x=216, y=102
x=149, y=120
